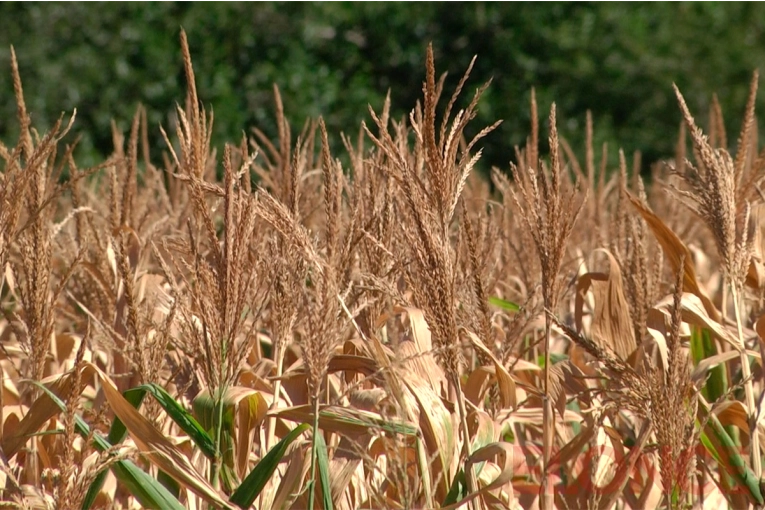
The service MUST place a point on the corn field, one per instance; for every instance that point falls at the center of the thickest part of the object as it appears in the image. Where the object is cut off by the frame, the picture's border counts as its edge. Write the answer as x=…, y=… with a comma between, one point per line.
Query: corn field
x=280, y=324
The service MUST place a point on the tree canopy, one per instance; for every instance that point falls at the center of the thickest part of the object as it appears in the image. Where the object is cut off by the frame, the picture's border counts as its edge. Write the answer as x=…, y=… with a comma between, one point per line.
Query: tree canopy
x=335, y=59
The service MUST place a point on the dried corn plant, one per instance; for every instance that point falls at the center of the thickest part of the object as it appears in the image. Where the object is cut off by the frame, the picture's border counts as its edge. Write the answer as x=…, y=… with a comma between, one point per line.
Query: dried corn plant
x=270, y=325
x=717, y=196
x=550, y=213
x=431, y=177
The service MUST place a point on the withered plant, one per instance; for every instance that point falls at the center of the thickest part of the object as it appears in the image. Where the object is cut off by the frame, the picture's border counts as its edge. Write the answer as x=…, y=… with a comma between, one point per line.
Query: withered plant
x=431, y=177
x=549, y=212
x=718, y=191
x=263, y=325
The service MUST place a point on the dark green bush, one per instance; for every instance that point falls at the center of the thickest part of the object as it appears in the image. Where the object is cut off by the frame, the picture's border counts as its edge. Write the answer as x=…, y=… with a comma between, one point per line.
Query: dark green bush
x=333, y=59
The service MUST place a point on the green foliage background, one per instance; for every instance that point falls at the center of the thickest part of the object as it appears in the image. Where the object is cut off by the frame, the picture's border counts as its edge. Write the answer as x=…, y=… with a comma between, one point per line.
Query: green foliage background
x=333, y=59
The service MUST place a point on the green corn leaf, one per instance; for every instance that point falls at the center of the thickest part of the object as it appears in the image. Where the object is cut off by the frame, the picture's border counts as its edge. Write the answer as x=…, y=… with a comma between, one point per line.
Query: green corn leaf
x=702, y=347
x=458, y=489
x=254, y=483
x=322, y=459
x=726, y=453
x=169, y=483
x=182, y=418
x=118, y=431
x=147, y=491
x=504, y=304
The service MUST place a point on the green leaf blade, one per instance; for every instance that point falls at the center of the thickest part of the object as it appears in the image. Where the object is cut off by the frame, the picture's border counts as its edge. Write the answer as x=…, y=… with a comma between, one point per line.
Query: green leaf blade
x=322, y=459
x=504, y=304
x=183, y=418
x=253, y=484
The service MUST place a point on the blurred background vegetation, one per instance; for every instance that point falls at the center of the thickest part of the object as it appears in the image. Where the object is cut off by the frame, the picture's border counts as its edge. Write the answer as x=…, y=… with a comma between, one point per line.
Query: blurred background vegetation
x=333, y=59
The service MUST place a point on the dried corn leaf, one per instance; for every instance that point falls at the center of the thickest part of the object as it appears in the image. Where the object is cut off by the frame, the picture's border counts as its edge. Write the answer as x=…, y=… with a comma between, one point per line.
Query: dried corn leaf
x=693, y=312
x=477, y=384
x=42, y=410
x=622, y=475
x=519, y=364
x=342, y=472
x=755, y=277
x=251, y=408
x=759, y=327
x=659, y=336
x=611, y=324
x=337, y=363
x=704, y=366
x=298, y=463
x=504, y=455
x=533, y=416
x=571, y=451
x=675, y=251
x=504, y=380
x=351, y=422
x=437, y=429
x=424, y=363
x=733, y=412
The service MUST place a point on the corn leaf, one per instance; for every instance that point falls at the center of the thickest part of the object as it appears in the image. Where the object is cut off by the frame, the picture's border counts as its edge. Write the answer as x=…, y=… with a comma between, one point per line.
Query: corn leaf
x=676, y=252
x=458, y=489
x=147, y=491
x=703, y=347
x=504, y=304
x=322, y=460
x=154, y=445
x=243, y=410
x=181, y=417
x=253, y=484
x=350, y=422
x=719, y=444
x=611, y=323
